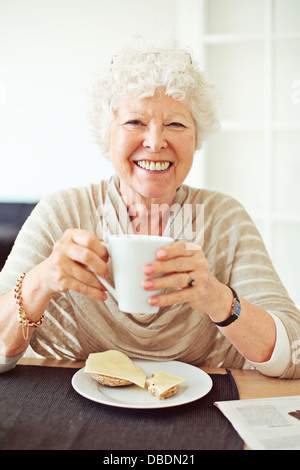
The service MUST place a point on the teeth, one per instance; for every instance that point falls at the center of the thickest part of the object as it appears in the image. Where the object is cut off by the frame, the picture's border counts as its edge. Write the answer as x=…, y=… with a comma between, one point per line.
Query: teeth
x=158, y=166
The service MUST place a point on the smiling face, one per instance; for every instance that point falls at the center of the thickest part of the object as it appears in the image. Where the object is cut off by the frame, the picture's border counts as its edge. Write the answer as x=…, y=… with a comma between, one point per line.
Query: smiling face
x=152, y=145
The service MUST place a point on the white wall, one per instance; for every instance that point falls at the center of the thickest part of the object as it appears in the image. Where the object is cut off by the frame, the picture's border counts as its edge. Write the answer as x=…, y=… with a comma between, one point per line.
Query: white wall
x=49, y=50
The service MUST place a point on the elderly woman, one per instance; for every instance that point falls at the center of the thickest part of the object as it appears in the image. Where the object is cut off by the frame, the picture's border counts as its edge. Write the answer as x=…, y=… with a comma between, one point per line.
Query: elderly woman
x=224, y=304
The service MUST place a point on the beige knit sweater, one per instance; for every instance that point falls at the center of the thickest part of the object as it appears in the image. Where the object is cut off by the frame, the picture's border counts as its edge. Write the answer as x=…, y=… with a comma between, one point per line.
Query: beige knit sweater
x=75, y=325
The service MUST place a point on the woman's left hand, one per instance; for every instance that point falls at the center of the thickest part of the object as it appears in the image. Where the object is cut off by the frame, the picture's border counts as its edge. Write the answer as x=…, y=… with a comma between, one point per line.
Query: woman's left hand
x=181, y=263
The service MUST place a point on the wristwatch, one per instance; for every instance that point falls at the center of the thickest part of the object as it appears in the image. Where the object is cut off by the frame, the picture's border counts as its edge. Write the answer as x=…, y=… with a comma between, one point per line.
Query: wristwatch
x=234, y=312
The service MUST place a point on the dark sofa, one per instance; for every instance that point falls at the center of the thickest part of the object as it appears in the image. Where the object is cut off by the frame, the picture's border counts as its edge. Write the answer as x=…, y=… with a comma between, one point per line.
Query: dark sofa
x=12, y=217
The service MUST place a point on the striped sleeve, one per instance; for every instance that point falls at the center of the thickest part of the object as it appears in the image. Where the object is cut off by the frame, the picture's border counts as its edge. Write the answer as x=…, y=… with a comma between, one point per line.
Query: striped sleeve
x=44, y=227
x=238, y=257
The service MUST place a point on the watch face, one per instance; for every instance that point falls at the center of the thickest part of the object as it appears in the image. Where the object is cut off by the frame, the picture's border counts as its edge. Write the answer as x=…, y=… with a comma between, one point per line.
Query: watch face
x=237, y=308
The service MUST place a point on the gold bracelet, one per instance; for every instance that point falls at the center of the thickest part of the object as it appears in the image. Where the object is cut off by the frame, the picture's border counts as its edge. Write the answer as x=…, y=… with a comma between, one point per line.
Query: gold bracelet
x=26, y=323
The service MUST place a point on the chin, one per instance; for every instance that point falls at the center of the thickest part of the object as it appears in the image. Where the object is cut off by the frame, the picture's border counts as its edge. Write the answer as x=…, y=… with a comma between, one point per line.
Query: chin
x=153, y=191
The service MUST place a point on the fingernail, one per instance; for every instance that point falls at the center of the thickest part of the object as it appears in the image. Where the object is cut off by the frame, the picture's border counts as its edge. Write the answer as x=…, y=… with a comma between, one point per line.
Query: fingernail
x=153, y=301
x=162, y=254
x=148, y=269
x=147, y=284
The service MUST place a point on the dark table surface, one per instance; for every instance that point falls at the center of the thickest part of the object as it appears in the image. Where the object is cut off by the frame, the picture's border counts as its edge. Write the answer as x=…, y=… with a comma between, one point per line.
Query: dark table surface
x=40, y=410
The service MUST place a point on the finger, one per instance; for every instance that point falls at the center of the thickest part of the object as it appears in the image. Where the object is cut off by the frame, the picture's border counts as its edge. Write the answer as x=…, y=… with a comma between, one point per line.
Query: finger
x=88, y=240
x=177, y=257
x=177, y=249
x=87, y=257
x=175, y=280
x=174, y=265
x=84, y=275
x=87, y=290
x=65, y=278
x=172, y=298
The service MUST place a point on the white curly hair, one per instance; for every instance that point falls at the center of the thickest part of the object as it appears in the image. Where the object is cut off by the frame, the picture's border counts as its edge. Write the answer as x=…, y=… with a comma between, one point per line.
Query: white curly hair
x=140, y=68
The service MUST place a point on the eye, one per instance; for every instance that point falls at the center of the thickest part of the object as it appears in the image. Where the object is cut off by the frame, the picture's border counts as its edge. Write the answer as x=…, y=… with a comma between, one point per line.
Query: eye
x=134, y=122
x=176, y=124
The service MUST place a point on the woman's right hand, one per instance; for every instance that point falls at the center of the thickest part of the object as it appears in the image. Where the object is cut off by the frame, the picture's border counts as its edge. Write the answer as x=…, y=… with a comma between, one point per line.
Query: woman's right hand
x=67, y=268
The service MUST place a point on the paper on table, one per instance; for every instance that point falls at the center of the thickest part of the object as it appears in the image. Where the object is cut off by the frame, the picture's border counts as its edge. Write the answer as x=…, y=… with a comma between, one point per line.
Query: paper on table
x=265, y=423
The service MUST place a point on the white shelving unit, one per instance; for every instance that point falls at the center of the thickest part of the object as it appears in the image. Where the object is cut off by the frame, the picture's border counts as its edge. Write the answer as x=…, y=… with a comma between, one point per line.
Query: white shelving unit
x=250, y=49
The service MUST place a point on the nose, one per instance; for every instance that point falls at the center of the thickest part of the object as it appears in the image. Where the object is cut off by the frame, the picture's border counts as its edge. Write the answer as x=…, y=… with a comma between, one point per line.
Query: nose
x=154, y=138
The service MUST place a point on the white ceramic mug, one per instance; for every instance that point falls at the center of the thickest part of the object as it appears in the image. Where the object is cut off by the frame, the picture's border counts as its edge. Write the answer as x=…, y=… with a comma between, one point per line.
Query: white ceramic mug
x=129, y=253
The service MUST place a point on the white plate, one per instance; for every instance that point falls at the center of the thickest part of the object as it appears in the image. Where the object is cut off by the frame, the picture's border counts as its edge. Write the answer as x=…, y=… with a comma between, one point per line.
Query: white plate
x=196, y=385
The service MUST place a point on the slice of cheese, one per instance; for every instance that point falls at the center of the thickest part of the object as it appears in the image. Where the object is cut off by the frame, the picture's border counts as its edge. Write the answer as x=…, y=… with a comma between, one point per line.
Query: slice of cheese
x=115, y=364
x=163, y=381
